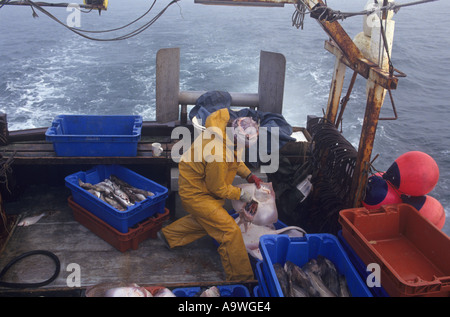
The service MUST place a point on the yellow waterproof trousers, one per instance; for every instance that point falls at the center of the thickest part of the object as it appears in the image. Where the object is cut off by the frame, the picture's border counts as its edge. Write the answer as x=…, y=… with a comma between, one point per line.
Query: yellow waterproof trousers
x=204, y=185
x=221, y=227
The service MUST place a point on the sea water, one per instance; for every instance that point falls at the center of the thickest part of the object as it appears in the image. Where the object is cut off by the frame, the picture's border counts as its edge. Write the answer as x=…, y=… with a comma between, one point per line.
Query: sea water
x=47, y=70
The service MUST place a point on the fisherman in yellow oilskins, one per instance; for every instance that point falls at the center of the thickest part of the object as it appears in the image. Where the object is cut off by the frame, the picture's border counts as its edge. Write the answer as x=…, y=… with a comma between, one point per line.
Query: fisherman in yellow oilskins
x=204, y=184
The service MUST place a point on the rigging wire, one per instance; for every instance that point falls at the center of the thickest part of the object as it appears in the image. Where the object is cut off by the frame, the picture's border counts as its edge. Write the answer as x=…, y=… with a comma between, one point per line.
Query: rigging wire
x=79, y=32
x=122, y=27
x=322, y=12
x=3, y=2
x=298, y=17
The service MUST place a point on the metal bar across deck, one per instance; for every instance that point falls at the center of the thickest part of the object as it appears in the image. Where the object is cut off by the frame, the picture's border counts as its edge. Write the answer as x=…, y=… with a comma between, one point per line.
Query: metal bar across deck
x=42, y=152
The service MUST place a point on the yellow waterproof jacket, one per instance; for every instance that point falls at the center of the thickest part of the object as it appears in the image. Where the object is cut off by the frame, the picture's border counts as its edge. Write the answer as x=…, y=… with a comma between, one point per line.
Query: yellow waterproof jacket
x=206, y=174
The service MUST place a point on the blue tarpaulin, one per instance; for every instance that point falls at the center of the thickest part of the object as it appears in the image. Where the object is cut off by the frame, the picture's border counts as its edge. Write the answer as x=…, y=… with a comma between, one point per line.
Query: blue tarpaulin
x=212, y=101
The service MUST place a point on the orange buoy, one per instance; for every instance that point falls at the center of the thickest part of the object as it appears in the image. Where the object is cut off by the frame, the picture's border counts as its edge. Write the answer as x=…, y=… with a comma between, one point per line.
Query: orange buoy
x=429, y=207
x=413, y=173
x=379, y=192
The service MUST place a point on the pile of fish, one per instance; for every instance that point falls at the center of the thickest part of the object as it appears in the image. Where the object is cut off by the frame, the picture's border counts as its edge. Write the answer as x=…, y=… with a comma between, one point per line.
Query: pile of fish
x=115, y=192
x=137, y=291
x=126, y=290
x=134, y=290
x=317, y=278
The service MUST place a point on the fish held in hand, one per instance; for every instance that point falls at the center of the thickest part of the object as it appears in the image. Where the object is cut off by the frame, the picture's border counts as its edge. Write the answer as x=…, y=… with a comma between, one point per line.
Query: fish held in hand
x=247, y=214
x=266, y=211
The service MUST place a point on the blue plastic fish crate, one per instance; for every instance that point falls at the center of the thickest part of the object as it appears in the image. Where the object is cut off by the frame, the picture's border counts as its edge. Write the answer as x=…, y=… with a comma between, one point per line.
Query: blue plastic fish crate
x=262, y=290
x=282, y=248
x=121, y=220
x=92, y=135
x=225, y=291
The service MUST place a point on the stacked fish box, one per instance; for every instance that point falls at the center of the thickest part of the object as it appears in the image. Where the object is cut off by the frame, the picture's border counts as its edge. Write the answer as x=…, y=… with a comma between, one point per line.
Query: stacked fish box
x=130, y=218
x=121, y=241
x=313, y=265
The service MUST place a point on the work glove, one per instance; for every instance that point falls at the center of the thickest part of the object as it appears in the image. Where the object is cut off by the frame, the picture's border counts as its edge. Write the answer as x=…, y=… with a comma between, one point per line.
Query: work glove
x=246, y=197
x=254, y=179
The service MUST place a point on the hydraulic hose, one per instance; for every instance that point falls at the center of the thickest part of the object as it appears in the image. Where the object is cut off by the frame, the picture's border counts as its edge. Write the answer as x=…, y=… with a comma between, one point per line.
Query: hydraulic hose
x=30, y=285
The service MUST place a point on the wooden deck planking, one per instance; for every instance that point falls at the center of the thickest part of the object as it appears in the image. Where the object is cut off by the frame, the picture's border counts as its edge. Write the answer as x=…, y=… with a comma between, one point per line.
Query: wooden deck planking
x=100, y=262
x=42, y=152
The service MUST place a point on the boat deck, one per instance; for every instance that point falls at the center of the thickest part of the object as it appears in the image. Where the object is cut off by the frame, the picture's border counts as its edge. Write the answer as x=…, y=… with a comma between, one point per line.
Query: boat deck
x=36, y=181
x=151, y=264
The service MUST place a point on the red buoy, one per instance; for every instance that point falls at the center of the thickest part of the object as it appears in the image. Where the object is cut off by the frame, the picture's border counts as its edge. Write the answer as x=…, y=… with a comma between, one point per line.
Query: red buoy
x=379, y=192
x=429, y=207
x=413, y=173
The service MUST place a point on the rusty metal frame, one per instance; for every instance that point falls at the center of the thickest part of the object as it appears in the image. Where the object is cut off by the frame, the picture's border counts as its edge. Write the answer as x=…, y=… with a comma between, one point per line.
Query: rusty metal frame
x=347, y=53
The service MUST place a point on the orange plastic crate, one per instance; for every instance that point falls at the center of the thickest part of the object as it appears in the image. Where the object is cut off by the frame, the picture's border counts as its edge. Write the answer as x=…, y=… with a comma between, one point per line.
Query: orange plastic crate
x=413, y=254
x=121, y=241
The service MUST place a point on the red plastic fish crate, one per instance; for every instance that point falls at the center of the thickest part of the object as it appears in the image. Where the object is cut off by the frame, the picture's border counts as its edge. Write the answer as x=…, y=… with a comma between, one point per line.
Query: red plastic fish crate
x=121, y=241
x=413, y=254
